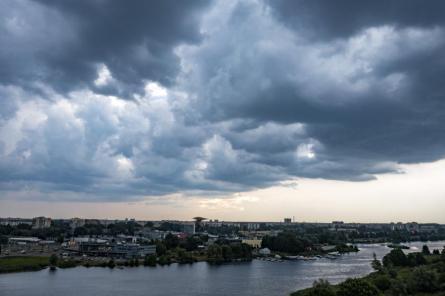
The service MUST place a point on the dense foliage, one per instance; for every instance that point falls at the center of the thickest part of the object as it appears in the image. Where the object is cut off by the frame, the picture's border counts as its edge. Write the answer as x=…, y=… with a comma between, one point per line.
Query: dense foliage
x=285, y=242
x=399, y=275
x=224, y=253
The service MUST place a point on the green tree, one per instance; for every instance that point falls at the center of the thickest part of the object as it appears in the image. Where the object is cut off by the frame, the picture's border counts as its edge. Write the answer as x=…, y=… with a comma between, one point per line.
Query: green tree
x=376, y=264
x=150, y=260
x=355, y=287
x=191, y=243
x=161, y=249
x=163, y=260
x=79, y=231
x=424, y=280
x=416, y=259
x=426, y=250
x=382, y=282
x=184, y=257
x=285, y=242
x=226, y=252
x=321, y=288
x=53, y=259
x=395, y=258
x=214, y=253
x=171, y=241
x=111, y=263
x=398, y=288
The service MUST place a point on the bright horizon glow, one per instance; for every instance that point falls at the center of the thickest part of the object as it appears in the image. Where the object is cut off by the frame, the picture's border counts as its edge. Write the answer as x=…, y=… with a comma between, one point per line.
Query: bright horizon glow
x=416, y=195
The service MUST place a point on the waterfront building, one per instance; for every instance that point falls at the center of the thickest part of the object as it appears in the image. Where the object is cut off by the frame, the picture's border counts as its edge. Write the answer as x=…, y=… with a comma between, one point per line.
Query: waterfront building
x=30, y=245
x=133, y=250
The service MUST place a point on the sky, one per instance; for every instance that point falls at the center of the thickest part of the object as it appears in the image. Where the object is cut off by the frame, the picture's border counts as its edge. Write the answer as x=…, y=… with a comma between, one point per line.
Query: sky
x=248, y=110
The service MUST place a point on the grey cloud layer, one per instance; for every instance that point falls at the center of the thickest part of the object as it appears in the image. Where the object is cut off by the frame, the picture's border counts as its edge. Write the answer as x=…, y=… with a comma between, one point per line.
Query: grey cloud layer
x=256, y=93
x=61, y=43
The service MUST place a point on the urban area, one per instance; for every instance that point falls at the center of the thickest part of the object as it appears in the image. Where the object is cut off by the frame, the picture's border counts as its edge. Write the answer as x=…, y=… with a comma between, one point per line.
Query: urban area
x=130, y=242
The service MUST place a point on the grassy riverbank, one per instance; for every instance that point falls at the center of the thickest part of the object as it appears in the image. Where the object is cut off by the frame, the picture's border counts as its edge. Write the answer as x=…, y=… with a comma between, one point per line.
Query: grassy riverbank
x=25, y=263
x=215, y=254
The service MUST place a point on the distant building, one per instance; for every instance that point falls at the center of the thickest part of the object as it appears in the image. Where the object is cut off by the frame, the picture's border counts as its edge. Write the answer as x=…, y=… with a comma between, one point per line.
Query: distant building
x=254, y=243
x=103, y=248
x=152, y=234
x=397, y=226
x=412, y=227
x=188, y=228
x=23, y=240
x=41, y=222
x=133, y=250
x=264, y=251
x=15, y=221
x=287, y=220
x=428, y=228
x=23, y=245
x=77, y=222
x=249, y=225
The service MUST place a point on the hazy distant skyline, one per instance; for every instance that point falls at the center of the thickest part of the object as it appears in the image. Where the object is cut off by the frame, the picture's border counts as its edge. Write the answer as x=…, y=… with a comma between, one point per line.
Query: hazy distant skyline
x=234, y=110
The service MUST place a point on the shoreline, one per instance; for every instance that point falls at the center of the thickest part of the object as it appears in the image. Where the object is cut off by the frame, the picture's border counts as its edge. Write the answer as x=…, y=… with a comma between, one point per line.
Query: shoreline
x=38, y=263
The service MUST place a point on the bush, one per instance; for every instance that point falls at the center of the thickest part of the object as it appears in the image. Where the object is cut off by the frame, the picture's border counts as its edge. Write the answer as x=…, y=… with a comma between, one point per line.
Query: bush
x=321, y=288
x=53, y=259
x=382, y=282
x=150, y=260
x=416, y=259
x=355, y=287
x=67, y=263
x=214, y=254
x=161, y=249
x=163, y=260
x=185, y=257
x=392, y=272
x=398, y=288
x=424, y=280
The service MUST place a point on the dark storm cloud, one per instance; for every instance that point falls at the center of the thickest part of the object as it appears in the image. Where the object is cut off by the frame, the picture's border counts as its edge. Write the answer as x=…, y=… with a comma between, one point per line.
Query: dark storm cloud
x=408, y=131
x=322, y=19
x=61, y=43
x=257, y=92
x=365, y=77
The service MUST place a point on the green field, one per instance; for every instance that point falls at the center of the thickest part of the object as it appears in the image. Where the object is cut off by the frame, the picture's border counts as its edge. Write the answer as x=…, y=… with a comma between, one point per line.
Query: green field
x=25, y=263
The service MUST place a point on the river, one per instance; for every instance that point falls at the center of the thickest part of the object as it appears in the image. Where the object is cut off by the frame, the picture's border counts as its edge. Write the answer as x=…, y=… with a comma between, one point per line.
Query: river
x=256, y=278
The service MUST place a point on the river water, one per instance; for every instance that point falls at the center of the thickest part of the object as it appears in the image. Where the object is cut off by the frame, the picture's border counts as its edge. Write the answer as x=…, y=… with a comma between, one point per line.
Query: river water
x=259, y=278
